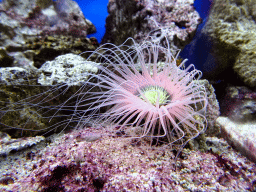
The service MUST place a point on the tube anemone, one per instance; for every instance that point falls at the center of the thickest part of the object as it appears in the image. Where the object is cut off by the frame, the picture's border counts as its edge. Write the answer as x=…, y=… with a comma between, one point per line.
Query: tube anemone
x=144, y=89
x=138, y=87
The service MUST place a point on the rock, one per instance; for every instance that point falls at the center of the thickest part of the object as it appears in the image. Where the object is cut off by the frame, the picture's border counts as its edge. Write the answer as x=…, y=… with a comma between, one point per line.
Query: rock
x=69, y=69
x=45, y=29
x=230, y=32
x=29, y=97
x=245, y=64
x=239, y=104
x=176, y=20
x=5, y=59
x=212, y=110
x=211, y=113
x=14, y=153
x=40, y=50
x=8, y=145
x=15, y=75
x=241, y=136
x=115, y=163
x=17, y=87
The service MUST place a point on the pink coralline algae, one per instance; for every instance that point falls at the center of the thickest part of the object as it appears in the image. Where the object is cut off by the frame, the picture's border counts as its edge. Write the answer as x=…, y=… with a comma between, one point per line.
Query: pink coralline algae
x=113, y=163
x=176, y=20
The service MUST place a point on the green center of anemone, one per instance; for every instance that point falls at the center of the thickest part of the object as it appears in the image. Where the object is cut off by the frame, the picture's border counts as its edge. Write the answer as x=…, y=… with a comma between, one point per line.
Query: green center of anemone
x=154, y=95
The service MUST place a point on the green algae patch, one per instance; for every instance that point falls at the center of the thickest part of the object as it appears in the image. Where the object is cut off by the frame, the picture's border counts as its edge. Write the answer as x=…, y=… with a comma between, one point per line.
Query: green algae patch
x=26, y=107
x=17, y=114
x=31, y=110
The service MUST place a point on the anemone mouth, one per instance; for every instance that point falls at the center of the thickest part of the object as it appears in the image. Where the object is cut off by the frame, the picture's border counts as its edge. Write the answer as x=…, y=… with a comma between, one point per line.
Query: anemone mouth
x=155, y=95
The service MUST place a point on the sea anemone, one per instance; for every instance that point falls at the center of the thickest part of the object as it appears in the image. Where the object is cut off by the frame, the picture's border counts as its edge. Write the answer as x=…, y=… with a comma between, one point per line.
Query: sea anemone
x=141, y=88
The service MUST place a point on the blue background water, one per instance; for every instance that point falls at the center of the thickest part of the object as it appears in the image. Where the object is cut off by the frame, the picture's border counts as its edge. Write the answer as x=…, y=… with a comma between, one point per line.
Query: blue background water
x=198, y=51
x=96, y=12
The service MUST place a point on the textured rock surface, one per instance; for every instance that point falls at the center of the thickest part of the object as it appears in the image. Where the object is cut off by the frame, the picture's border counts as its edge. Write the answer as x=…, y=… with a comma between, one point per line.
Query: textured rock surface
x=70, y=69
x=239, y=104
x=5, y=59
x=9, y=145
x=32, y=30
x=241, y=136
x=18, y=85
x=212, y=110
x=28, y=97
x=231, y=28
x=40, y=50
x=71, y=163
x=17, y=152
x=176, y=20
x=16, y=75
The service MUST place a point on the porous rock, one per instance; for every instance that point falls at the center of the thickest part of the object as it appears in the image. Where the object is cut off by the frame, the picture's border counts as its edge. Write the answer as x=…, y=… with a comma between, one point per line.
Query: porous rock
x=110, y=163
x=70, y=69
x=212, y=109
x=9, y=145
x=231, y=29
x=176, y=20
x=26, y=24
x=241, y=136
x=239, y=104
x=16, y=75
x=27, y=96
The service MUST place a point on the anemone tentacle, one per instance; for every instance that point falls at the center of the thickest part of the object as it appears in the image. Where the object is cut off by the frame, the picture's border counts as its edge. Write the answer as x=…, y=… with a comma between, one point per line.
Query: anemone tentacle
x=162, y=99
x=138, y=86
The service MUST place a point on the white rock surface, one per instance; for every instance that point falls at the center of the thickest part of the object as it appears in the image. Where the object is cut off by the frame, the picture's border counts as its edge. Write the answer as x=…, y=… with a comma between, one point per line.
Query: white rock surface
x=70, y=69
x=242, y=136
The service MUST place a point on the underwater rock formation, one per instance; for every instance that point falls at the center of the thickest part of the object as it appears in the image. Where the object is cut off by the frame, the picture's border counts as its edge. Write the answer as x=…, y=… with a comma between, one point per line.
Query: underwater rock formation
x=229, y=35
x=26, y=95
x=37, y=30
x=237, y=123
x=9, y=145
x=212, y=110
x=176, y=20
x=239, y=104
x=72, y=163
x=241, y=136
x=70, y=69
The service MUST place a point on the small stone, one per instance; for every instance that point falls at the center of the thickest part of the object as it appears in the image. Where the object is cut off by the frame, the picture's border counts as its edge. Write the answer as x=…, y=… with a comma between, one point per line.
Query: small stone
x=241, y=136
x=8, y=145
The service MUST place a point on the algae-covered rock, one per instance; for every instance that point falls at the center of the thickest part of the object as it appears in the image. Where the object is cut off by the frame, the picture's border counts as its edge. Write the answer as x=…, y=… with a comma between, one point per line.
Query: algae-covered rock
x=245, y=65
x=175, y=20
x=231, y=29
x=36, y=31
x=212, y=110
x=43, y=49
x=5, y=59
x=40, y=100
x=17, y=86
x=114, y=163
x=239, y=104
